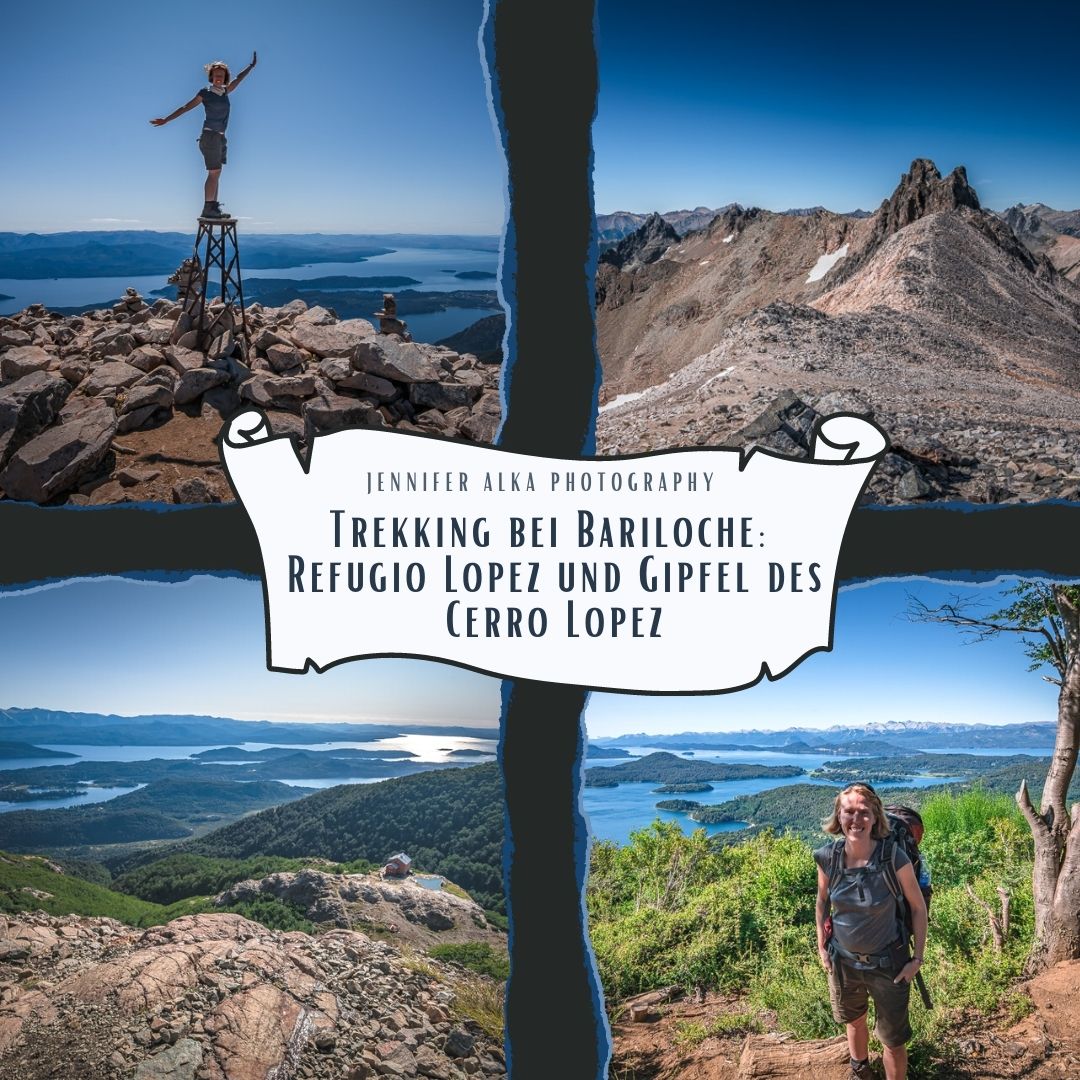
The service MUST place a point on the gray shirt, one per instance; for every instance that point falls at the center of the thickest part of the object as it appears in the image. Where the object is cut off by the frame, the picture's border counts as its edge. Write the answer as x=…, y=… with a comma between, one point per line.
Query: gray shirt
x=217, y=109
x=865, y=915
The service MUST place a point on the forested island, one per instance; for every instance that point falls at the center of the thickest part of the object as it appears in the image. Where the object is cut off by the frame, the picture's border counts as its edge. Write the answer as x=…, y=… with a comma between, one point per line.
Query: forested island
x=665, y=768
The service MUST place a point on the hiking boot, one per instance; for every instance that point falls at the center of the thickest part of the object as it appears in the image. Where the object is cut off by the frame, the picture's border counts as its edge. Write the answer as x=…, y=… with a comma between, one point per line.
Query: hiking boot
x=860, y=1070
x=212, y=210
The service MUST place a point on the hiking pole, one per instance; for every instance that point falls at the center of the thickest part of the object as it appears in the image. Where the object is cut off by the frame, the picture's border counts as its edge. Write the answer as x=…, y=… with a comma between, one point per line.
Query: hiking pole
x=923, y=992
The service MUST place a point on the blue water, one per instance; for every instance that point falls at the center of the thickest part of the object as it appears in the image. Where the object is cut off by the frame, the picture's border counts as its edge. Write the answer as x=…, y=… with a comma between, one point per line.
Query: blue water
x=429, y=749
x=93, y=795
x=614, y=813
x=433, y=269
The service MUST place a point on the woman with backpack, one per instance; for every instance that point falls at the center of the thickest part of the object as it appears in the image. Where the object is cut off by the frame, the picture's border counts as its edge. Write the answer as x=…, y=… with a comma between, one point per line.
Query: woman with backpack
x=868, y=893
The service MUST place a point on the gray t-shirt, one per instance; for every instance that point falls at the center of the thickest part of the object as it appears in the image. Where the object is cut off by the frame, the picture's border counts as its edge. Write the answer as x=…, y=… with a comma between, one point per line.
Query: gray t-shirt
x=865, y=916
x=217, y=109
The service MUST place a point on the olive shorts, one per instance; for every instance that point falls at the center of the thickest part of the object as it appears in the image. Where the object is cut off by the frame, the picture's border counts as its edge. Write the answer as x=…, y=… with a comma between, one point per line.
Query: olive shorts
x=849, y=1001
x=214, y=147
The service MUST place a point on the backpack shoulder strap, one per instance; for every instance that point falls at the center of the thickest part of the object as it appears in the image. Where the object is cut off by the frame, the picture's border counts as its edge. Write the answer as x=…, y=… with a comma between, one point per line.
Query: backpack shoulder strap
x=836, y=863
x=888, y=866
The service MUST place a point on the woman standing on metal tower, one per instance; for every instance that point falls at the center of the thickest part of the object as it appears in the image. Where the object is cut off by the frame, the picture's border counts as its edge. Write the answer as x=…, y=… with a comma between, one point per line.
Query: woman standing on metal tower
x=215, y=100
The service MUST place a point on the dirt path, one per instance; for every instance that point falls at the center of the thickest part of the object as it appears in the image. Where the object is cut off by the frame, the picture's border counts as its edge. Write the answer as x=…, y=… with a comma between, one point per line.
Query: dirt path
x=1045, y=1045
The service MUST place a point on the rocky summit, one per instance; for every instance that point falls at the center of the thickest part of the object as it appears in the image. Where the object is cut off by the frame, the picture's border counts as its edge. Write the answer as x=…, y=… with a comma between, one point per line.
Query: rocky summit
x=958, y=336
x=119, y=405
x=411, y=912
x=218, y=997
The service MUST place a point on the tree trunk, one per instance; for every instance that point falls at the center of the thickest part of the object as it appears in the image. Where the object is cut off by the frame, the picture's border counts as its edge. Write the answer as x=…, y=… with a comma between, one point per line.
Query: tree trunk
x=1056, y=876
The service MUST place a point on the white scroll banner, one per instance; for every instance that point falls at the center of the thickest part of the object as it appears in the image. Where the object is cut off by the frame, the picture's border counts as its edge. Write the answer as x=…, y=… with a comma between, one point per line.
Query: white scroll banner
x=687, y=571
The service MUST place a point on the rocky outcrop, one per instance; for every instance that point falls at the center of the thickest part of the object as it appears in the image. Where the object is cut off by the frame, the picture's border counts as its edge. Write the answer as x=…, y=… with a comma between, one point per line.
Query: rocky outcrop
x=1044, y=231
x=965, y=344
x=644, y=246
x=922, y=191
x=217, y=997
x=414, y=913
x=88, y=400
x=483, y=339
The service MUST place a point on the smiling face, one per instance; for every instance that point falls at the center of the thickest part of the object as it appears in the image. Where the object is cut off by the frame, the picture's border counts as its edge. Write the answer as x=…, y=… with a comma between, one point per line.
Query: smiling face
x=856, y=815
x=218, y=75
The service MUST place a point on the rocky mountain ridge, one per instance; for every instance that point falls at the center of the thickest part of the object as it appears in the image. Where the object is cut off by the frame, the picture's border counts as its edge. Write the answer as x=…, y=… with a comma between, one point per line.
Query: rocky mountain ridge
x=931, y=316
x=121, y=405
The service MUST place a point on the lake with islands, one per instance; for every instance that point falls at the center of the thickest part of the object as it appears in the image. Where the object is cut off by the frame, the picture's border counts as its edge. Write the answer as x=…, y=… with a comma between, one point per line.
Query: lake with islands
x=614, y=812
x=421, y=750
x=433, y=270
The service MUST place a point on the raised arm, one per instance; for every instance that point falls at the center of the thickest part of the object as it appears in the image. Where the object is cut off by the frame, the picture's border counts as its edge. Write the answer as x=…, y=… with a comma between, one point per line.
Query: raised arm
x=243, y=74
x=196, y=100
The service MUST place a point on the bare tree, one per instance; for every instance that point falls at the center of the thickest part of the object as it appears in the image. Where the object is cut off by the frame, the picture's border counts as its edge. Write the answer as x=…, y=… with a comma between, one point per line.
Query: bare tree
x=1047, y=620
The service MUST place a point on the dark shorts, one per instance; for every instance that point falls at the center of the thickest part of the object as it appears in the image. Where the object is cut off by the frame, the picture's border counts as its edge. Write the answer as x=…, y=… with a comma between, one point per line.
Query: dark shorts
x=214, y=147
x=849, y=1001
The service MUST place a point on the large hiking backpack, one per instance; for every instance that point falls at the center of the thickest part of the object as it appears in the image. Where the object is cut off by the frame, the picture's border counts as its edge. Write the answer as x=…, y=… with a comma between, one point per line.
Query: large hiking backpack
x=905, y=832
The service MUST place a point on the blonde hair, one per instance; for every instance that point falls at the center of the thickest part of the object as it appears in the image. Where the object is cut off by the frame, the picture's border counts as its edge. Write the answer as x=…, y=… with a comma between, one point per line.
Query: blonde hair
x=881, y=823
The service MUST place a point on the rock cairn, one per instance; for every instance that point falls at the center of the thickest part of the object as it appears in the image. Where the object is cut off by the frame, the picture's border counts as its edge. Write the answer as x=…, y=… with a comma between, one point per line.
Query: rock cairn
x=389, y=323
x=71, y=386
x=218, y=997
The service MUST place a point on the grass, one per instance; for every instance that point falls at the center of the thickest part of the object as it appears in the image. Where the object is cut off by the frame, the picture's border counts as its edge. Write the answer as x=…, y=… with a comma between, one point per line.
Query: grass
x=690, y=1034
x=480, y=1000
x=477, y=956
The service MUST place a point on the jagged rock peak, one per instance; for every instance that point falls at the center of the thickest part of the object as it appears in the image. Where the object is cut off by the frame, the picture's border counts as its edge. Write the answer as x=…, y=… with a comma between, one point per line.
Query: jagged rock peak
x=922, y=191
x=644, y=246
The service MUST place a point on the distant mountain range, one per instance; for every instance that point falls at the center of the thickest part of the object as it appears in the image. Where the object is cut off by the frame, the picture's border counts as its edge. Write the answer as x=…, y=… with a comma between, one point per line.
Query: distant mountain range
x=868, y=738
x=58, y=727
x=957, y=328
x=613, y=227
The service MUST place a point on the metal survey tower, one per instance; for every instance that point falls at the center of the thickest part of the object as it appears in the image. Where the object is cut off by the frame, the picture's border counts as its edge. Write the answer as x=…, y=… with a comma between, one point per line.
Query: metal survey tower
x=221, y=249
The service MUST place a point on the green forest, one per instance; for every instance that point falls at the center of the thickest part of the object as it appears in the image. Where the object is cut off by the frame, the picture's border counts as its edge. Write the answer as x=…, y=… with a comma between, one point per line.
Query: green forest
x=450, y=821
x=670, y=908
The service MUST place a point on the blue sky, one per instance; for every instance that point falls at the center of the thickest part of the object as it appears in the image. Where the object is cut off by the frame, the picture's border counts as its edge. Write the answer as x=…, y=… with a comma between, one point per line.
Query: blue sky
x=882, y=667
x=781, y=104
x=360, y=117
x=116, y=646
x=198, y=647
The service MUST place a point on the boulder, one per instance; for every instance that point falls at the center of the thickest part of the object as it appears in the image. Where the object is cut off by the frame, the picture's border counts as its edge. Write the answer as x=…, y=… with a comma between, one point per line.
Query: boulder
x=12, y=335
x=442, y=395
x=266, y=337
x=484, y=419
x=195, y=489
x=342, y=374
x=55, y=461
x=398, y=360
x=74, y=368
x=22, y=360
x=146, y=358
x=195, y=382
x=120, y=345
x=331, y=339
x=278, y=392
x=27, y=406
x=108, y=379
x=333, y=412
x=284, y=359
x=184, y=360
x=181, y=1061
x=147, y=394
x=153, y=332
